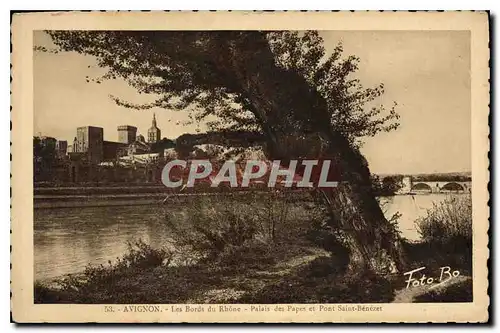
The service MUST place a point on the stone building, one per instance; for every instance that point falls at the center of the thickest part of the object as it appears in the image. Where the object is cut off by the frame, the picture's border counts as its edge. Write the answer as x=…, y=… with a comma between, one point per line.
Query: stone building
x=112, y=150
x=154, y=133
x=89, y=140
x=61, y=148
x=91, y=158
x=127, y=134
x=138, y=147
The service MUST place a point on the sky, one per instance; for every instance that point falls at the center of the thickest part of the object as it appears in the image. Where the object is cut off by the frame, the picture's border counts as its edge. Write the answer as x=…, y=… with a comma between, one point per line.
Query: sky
x=426, y=73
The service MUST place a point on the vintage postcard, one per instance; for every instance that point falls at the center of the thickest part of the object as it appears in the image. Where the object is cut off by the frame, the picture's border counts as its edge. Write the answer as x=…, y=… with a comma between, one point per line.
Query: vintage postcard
x=220, y=167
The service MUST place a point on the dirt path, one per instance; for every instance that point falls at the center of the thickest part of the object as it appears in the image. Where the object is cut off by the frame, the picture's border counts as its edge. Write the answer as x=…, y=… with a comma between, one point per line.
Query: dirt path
x=409, y=295
x=256, y=280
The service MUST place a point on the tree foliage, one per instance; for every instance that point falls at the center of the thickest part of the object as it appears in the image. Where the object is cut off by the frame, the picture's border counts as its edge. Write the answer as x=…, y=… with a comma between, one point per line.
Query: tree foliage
x=44, y=157
x=278, y=83
x=388, y=185
x=178, y=69
x=351, y=106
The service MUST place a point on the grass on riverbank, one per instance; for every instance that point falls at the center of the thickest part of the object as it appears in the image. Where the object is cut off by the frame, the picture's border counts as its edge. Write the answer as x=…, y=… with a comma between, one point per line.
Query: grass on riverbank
x=260, y=252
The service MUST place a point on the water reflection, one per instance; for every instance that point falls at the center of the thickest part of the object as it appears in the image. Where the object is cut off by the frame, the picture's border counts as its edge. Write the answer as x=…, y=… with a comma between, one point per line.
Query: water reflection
x=65, y=243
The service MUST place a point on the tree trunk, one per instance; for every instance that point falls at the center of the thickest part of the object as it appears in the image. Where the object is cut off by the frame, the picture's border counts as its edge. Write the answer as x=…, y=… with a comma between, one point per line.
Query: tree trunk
x=287, y=107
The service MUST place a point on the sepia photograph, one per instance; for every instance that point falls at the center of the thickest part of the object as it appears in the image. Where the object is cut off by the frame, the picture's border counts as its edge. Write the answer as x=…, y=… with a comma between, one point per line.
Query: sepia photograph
x=300, y=170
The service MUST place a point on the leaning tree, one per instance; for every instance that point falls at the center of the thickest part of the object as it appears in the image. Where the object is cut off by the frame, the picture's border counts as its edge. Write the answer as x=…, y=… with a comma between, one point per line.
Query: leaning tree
x=278, y=83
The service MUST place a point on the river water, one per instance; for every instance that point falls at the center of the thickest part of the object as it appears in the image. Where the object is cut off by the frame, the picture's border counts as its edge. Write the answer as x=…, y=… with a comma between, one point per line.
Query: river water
x=67, y=239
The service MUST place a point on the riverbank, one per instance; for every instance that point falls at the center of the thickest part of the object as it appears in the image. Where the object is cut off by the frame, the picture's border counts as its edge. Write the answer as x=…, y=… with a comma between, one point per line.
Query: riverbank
x=138, y=195
x=299, y=274
x=271, y=251
x=104, y=196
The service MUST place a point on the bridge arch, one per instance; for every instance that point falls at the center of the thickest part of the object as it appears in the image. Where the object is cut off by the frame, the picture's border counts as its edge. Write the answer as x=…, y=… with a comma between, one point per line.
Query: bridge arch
x=452, y=186
x=421, y=187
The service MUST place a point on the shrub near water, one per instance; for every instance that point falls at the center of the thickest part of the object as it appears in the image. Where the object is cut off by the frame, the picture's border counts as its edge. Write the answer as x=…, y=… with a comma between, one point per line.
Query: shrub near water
x=100, y=280
x=209, y=228
x=446, y=233
x=222, y=226
x=448, y=221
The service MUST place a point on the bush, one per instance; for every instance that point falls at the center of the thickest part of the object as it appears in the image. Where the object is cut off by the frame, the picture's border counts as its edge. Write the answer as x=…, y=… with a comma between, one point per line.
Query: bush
x=44, y=294
x=140, y=256
x=448, y=222
x=212, y=226
x=207, y=229
x=105, y=283
x=446, y=233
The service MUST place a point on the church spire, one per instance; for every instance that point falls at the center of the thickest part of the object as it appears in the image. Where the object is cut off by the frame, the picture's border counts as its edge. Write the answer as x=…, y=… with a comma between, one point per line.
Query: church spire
x=154, y=133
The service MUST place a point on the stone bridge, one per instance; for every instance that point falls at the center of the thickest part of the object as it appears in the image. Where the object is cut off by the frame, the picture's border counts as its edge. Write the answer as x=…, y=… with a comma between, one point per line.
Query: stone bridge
x=416, y=186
